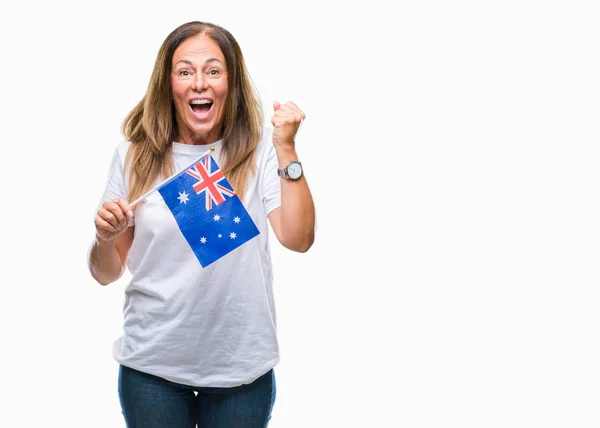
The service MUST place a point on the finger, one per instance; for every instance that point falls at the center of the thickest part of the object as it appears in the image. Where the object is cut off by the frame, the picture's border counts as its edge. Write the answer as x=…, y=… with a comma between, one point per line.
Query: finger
x=277, y=119
x=287, y=119
x=280, y=113
x=276, y=105
x=285, y=108
x=291, y=108
x=125, y=207
x=109, y=218
x=292, y=115
x=298, y=117
x=112, y=213
x=296, y=109
x=115, y=207
x=102, y=224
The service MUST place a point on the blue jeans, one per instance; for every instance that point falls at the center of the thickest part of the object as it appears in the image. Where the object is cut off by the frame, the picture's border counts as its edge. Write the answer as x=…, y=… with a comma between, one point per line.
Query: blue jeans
x=149, y=401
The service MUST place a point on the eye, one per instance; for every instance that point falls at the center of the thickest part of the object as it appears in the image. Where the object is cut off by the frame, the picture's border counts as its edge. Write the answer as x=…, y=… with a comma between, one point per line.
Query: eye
x=184, y=73
x=214, y=72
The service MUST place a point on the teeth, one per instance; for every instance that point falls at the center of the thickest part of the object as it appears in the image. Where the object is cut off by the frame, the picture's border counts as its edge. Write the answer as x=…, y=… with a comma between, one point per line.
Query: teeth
x=196, y=102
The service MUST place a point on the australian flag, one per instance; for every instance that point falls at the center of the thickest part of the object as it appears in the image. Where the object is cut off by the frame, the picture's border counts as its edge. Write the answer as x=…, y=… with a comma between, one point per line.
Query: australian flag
x=211, y=217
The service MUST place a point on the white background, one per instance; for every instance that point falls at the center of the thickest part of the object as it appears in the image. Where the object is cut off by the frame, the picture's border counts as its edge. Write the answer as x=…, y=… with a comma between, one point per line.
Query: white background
x=452, y=150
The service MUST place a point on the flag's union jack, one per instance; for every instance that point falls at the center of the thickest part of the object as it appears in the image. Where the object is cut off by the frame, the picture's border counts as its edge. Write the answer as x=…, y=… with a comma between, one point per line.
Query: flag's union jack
x=210, y=176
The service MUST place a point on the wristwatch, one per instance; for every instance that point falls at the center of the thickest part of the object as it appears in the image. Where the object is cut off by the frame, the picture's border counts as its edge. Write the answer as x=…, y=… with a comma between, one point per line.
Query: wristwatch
x=292, y=171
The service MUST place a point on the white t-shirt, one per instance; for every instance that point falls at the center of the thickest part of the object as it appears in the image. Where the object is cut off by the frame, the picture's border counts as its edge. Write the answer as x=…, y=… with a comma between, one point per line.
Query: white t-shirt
x=205, y=327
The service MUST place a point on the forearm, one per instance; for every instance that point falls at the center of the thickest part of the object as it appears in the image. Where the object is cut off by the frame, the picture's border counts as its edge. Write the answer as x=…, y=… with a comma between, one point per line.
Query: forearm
x=104, y=261
x=297, y=207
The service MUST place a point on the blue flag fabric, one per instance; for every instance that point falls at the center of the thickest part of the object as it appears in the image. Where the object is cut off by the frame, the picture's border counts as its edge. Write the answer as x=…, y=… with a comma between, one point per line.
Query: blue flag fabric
x=211, y=217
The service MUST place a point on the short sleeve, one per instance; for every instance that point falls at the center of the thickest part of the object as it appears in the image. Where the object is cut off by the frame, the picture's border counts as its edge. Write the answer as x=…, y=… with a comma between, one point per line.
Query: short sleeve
x=116, y=187
x=271, y=183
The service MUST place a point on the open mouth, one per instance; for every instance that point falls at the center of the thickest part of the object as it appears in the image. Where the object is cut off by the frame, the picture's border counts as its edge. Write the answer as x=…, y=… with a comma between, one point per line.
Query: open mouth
x=201, y=107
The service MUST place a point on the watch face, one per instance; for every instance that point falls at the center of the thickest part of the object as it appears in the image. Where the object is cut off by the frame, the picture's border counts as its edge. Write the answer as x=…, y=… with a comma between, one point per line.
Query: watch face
x=294, y=170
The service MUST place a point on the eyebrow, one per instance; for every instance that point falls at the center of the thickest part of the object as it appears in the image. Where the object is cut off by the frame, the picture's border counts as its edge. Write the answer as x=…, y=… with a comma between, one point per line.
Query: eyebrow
x=188, y=62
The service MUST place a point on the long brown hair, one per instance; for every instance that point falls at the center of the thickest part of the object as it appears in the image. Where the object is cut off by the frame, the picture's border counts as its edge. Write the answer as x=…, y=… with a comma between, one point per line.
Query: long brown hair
x=151, y=126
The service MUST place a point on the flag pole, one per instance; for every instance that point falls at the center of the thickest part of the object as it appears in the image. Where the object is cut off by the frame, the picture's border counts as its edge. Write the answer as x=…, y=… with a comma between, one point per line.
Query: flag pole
x=171, y=178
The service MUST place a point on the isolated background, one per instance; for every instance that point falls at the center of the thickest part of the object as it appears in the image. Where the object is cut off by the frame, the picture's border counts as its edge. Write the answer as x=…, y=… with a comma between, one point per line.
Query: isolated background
x=452, y=149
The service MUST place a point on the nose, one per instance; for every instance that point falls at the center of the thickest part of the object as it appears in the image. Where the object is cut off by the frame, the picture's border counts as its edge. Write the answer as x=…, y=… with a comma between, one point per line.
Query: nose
x=199, y=82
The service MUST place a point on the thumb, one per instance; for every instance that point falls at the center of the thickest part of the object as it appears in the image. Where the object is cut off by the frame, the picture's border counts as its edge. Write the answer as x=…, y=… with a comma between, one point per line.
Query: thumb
x=276, y=105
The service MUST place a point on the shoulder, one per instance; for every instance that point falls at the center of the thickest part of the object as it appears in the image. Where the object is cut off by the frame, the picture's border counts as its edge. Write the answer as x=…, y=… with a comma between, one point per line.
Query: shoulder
x=119, y=158
x=123, y=148
x=120, y=152
x=265, y=145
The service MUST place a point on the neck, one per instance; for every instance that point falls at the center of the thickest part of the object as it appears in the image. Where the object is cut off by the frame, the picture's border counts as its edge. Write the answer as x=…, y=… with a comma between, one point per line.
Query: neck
x=187, y=137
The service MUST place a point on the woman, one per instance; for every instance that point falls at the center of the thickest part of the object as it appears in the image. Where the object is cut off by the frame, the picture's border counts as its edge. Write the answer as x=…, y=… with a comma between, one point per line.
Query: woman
x=199, y=343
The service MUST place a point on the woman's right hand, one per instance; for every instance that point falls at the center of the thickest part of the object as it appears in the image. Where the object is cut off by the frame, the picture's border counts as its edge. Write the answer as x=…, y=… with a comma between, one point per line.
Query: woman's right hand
x=112, y=219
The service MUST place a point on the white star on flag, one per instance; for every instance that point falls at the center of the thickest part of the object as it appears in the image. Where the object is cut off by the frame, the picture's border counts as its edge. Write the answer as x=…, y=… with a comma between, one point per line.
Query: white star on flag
x=183, y=197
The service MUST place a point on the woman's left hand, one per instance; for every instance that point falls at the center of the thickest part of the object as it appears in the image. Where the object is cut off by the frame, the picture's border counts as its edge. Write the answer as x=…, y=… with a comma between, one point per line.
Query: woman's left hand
x=286, y=121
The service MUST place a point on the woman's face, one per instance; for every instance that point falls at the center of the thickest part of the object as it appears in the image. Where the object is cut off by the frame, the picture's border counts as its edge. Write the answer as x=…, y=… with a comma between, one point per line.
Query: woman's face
x=199, y=81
